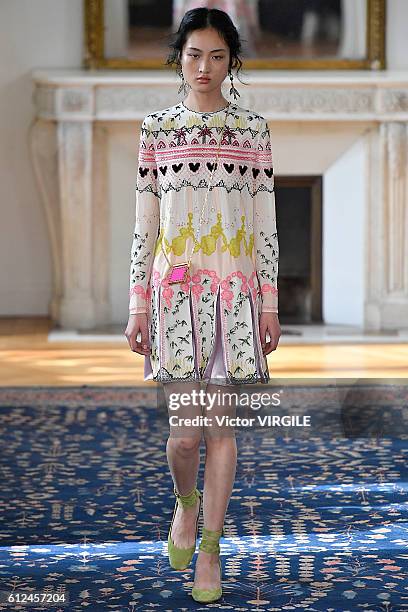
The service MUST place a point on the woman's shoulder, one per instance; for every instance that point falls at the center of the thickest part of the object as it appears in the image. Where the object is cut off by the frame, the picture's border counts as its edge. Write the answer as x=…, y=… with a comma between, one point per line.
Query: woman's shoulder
x=250, y=115
x=155, y=119
x=250, y=122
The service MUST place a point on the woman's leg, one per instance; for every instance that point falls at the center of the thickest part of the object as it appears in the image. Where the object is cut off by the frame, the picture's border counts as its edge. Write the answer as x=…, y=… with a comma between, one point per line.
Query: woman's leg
x=183, y=456
x=219, y=475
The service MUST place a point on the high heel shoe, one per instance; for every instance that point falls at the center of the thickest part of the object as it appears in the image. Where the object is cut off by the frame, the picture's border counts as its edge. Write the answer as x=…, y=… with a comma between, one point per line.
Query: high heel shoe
x=180, y=558
x=209, y=543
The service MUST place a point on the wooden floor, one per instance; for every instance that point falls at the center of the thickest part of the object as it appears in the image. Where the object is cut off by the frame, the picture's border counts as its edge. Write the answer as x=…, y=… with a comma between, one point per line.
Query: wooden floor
x=27, y=358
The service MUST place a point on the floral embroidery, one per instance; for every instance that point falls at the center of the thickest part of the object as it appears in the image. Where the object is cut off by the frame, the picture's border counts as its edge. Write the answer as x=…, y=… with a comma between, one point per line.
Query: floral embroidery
x=139, y=290
x=265, y=288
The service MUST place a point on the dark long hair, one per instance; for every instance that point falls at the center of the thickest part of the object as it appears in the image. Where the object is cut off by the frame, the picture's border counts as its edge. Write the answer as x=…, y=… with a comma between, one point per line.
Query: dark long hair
x=198, y=19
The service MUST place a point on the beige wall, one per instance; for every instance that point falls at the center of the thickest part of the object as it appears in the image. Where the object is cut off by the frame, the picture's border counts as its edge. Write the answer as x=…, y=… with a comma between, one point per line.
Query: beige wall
x=33, y=34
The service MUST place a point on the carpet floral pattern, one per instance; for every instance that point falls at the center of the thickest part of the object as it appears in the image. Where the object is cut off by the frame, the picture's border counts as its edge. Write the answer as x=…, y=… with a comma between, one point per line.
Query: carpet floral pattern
x=317, y=523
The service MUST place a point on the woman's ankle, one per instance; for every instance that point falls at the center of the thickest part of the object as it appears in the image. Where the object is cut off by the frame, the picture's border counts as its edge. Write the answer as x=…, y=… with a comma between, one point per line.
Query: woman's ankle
x=210, y=558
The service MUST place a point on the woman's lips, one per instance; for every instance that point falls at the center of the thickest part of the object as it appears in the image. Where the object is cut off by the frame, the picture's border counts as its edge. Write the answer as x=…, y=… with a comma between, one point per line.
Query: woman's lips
x=203, y=80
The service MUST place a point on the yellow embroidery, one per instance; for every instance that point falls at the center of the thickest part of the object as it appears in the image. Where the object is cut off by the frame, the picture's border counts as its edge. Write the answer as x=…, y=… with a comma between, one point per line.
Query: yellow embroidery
x=191, y=121
x=169, y=123
x=240, y=122
x=208, y=243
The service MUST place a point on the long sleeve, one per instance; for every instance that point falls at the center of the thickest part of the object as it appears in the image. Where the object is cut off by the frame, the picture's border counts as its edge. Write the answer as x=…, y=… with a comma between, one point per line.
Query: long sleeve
x=265, y=233
x=146, y=223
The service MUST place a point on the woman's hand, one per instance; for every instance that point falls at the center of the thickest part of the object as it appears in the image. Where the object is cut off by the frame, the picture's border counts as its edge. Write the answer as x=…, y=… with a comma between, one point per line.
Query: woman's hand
x=269, y=322
x=138, y=323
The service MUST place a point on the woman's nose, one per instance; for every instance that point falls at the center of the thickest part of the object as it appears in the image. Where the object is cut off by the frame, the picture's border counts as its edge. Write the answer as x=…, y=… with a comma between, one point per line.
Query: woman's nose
x=204, y=66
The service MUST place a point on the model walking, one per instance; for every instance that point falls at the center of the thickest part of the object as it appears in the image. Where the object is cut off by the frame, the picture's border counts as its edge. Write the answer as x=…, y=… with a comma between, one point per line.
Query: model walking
x=204, y=268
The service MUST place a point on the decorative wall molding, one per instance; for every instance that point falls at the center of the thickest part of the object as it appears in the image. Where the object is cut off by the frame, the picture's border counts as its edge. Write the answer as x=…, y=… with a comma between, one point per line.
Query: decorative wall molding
x=101, y=96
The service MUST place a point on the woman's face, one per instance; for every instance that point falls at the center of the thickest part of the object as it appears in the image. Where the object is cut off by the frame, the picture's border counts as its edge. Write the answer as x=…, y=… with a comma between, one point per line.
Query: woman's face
x=205, y=53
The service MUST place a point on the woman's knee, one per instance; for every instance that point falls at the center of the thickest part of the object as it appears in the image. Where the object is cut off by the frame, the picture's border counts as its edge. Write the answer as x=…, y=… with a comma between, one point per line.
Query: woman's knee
x=220, y=439
x=185, y=445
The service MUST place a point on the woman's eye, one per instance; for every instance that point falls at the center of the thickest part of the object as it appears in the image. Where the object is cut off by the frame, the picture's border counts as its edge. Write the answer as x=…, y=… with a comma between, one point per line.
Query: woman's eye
x=216, y=56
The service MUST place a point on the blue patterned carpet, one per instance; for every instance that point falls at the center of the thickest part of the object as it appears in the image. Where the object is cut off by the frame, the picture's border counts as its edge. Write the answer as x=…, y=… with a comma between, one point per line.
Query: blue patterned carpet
x=314, y=524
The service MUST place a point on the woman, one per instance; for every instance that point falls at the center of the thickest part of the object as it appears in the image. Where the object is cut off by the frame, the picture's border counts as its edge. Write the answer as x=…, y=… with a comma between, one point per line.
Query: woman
x=210, y=326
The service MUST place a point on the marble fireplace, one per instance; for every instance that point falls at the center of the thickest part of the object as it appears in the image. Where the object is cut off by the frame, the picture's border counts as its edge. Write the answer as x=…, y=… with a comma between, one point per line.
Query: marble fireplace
x=346, y=132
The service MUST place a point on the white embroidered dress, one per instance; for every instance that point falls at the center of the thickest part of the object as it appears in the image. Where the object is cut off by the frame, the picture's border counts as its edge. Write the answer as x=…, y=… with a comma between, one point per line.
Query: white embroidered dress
x=208, y=327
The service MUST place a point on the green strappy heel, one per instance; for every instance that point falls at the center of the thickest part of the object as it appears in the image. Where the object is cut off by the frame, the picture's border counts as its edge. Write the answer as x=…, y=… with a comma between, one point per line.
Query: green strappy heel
x=180, y=558
x=209, y=543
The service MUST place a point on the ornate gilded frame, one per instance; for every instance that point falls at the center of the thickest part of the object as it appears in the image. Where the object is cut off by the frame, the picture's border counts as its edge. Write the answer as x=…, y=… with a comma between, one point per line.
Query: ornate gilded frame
x=94, y=47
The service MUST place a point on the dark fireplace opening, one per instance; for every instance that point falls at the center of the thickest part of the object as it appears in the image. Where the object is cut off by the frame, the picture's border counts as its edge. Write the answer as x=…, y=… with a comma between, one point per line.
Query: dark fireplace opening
x=298, y=201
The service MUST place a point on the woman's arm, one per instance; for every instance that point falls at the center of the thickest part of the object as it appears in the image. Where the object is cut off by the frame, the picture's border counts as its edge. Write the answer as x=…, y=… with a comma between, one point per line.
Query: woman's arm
x=265, y=233
x=147, y=222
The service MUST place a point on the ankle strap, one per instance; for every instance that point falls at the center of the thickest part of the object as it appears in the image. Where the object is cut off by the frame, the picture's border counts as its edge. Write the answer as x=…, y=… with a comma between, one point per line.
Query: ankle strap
x=210, y=540
x=187, y=500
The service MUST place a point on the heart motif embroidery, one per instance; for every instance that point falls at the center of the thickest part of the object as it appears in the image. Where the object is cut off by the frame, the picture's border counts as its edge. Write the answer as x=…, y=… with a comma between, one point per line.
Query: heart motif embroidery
x=243, y=169
x=194, y=166
x=177, y=167
x=155, y=173
x=210, y=165
x=255, y=172
x=163, y=169
x=268, y=172
x=229, y=168
x=143, y=172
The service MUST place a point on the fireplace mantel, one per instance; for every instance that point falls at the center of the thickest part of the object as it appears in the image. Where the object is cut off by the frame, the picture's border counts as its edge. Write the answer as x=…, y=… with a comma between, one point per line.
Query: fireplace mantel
x=68, y=146
x=75, y=95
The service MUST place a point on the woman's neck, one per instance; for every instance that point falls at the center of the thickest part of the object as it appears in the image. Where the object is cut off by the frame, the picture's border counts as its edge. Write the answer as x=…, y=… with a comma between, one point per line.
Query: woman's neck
x=204, y=104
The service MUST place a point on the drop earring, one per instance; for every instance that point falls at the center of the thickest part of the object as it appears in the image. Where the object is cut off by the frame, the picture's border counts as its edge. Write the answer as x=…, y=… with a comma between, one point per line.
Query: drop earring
x=184, y=87
x=233, y=91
